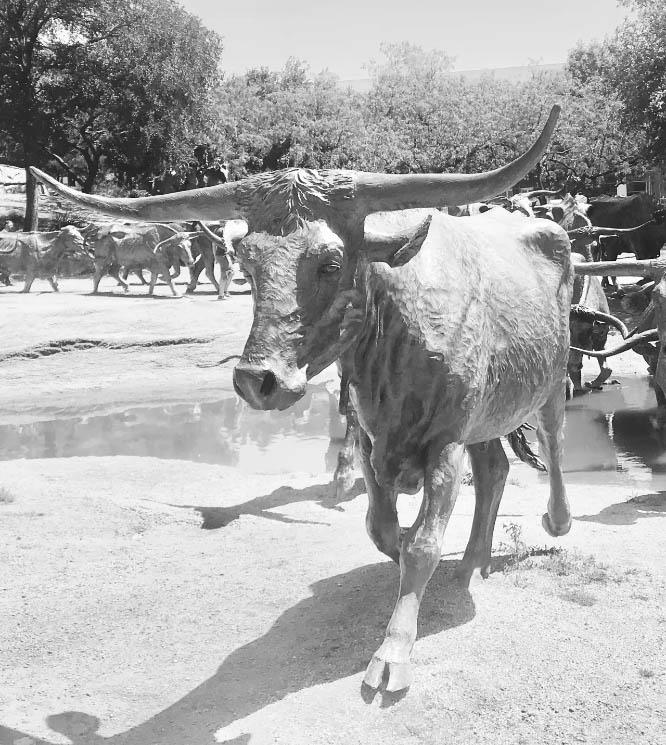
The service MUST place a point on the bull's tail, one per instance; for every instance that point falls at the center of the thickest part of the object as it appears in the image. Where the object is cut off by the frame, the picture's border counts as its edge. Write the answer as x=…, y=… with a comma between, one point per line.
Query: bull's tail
x=522, y=448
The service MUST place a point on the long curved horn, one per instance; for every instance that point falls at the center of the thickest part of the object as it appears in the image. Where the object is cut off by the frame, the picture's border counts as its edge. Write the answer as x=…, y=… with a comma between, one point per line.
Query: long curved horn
x=646, y=336
x=373, y=192
x=382, y=192
x=211, y=203
x=541, y=193
x=653, y=268
x=594, y=231
x=596, y=315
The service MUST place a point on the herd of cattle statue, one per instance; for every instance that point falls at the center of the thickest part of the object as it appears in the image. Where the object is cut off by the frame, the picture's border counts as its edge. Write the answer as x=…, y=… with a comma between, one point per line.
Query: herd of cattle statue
x=449, y=332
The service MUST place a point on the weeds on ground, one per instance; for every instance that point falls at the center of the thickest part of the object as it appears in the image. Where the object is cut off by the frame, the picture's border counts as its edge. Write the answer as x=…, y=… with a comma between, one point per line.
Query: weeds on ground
x=6, y=497
x=519, y=554
x=574, y=571
x=645, y=673
x=584, y=569
x=578, y=596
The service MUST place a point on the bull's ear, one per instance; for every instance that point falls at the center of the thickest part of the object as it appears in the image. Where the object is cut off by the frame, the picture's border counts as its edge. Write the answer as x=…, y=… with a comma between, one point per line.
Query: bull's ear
x=387, y=232
x=413, y=246
x=558, y=214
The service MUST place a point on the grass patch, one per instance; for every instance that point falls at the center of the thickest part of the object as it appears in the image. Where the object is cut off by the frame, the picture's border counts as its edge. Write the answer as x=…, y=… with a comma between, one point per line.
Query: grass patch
x=584, y=569
x=519, y=554
x=645, y=673
x=578, y=596
x=569, y=565
x=6, y=497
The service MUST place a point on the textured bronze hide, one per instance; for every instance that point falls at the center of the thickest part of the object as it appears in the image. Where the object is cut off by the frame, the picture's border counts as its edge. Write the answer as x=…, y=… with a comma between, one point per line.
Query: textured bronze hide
x=451, y=334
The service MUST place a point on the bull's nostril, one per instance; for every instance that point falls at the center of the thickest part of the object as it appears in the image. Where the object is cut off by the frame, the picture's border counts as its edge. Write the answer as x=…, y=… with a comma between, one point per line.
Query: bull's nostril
x=269, y=384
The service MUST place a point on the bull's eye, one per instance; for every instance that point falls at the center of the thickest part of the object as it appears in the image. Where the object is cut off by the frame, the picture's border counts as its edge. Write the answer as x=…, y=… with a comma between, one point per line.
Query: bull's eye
x=330, y=268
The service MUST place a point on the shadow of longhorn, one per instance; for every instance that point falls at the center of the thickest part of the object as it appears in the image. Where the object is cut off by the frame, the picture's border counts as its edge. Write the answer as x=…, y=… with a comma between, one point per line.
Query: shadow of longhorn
x=651, y=327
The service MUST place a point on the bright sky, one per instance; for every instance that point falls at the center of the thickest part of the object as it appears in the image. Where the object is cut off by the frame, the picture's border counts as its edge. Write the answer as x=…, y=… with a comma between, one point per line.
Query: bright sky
x=345, y=34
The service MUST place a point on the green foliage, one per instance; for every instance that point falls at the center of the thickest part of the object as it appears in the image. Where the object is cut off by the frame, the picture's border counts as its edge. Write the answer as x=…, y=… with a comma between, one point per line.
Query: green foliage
x=92, y=86
x=418, y=117
x=268, y=120
x=82, y=81
x=636, y=71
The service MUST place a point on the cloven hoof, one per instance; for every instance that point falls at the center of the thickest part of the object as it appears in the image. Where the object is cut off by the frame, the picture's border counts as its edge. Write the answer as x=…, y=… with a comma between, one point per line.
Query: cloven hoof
x=553, y=531
x=399, y=675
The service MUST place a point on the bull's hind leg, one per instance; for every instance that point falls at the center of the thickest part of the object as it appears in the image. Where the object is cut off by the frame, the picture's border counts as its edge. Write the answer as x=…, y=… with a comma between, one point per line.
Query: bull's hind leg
x=99, y=272
x=604, y=373
x=419, y=555
x=29, y=279
x=550, y=432
x=166, y=276
x=490, y=467
x=113, y=271
x=381, y=520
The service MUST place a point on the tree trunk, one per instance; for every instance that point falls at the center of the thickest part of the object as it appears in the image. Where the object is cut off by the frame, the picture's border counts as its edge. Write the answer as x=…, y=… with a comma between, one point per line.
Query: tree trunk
x=31, y=220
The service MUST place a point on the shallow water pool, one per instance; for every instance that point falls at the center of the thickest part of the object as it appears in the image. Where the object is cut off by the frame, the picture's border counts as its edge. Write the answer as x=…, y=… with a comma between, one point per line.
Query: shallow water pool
x=609, y=435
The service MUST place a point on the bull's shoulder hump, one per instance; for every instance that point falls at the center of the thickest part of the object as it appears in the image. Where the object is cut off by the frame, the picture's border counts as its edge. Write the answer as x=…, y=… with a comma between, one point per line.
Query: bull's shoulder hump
x=547, y=238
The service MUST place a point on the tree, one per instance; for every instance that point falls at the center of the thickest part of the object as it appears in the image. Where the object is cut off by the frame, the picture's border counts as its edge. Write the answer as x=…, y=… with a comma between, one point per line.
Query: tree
x=124, y=84
x=267, y=120
x=30, y=34
x=635, y=69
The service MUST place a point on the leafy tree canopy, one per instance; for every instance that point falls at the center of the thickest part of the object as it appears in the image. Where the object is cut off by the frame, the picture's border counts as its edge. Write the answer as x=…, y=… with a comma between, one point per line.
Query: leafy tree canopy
x=87, y=81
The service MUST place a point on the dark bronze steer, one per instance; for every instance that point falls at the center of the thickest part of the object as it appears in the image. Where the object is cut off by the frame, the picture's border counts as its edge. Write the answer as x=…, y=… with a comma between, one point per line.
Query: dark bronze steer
x=448, y=343
x=38, y=254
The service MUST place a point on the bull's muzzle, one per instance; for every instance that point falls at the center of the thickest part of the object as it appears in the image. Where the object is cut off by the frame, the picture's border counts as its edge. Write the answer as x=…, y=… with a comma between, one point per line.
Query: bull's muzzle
x=264, y=388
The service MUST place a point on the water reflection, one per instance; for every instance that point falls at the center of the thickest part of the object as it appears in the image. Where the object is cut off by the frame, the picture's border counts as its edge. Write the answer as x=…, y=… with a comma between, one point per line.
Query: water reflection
x=609, y=435
x=225, y=432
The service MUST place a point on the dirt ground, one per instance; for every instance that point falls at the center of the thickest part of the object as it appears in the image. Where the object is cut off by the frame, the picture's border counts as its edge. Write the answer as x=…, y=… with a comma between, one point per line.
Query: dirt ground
x=164, y=601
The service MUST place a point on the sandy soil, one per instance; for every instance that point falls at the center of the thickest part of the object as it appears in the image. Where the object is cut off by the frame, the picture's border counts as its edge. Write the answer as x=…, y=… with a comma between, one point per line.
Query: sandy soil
x=147, y=601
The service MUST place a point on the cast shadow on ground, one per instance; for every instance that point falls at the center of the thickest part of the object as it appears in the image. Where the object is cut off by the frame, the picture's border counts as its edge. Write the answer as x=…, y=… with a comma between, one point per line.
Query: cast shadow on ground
x=135, y=295
x=631, y=511
x=326, y=637
x=322, y=494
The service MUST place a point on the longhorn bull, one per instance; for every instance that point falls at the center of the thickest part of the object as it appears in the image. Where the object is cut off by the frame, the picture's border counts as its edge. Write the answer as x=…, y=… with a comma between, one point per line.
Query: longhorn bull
x=448, y=343
x=38, y=254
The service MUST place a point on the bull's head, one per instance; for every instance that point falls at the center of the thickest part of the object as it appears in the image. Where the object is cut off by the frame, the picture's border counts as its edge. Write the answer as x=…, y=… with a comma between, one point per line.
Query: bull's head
x=71, y=240
x=176, y=250
x=301, y=252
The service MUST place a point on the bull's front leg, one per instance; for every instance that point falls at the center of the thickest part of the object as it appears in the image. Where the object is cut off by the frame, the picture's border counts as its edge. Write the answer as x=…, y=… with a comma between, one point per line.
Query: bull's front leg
x=195, y=271
x=344, y=472
x=53, y=282
x=575, y=371
x=154, y=272
x=29, y=279
x=113, y=271
x=550, y=433
x=490, y=468
x=381, y=520
x=419, y=555
x=99, y=273
x=166, y=276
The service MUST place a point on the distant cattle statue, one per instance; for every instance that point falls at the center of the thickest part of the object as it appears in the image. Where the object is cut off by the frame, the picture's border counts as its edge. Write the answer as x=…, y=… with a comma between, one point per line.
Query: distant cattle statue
x=449, y=341
x=216, y=245
x=629, y=212
x=157, y=248
x=38, y=255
